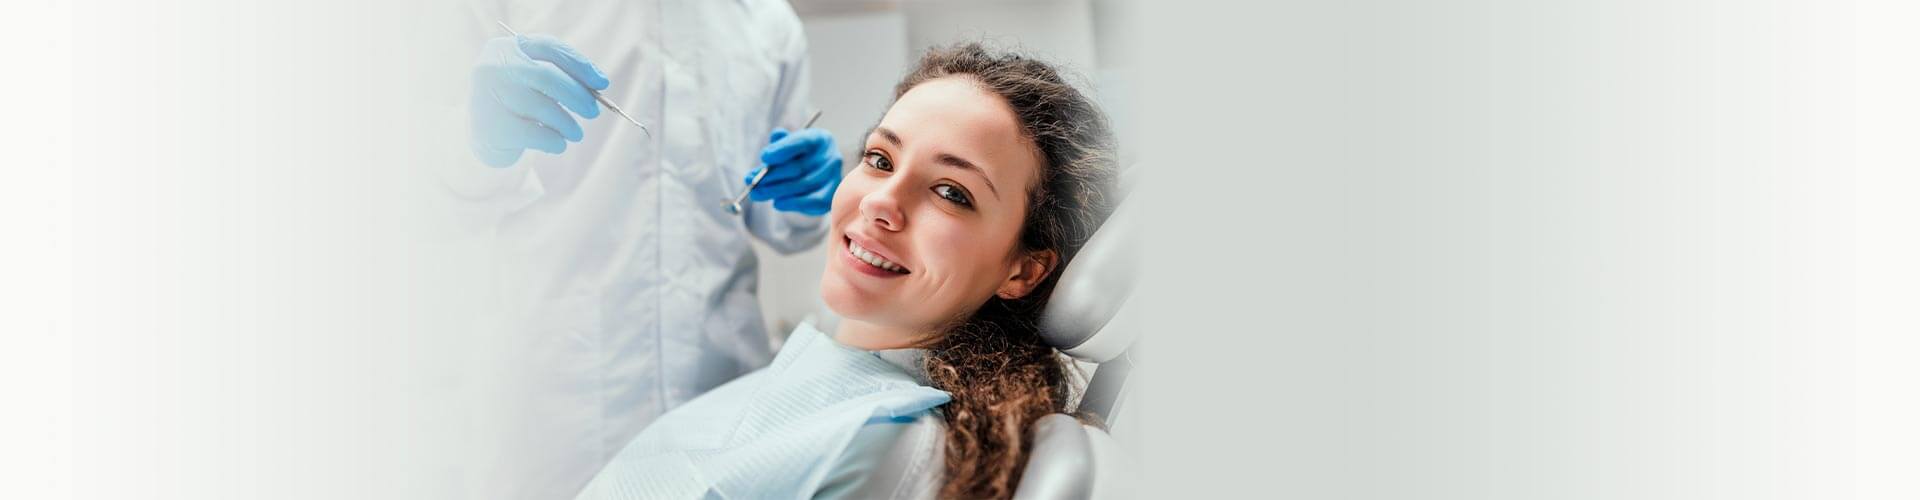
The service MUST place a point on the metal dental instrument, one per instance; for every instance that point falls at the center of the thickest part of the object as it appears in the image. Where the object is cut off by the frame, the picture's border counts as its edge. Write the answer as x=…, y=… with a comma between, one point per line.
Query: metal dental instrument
x=735, y=207
x=596, y=94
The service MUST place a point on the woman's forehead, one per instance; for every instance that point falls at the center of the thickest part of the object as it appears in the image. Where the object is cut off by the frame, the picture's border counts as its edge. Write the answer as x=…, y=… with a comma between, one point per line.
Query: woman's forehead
x=955, y=116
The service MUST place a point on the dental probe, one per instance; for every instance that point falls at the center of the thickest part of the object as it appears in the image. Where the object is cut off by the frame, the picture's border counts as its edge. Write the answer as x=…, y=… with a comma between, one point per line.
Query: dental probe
x=735, y=207
x=596, y=94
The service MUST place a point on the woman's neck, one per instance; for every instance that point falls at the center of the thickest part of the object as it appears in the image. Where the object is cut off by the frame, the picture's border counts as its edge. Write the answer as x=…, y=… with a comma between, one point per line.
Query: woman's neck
x=873, y=337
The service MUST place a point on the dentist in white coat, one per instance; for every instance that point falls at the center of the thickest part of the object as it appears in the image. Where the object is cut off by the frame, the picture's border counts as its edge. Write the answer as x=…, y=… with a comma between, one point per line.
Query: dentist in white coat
x=623, y=287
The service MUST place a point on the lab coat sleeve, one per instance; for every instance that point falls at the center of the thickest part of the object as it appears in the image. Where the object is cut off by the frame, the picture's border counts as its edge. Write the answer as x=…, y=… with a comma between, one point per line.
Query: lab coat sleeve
x=788, y=232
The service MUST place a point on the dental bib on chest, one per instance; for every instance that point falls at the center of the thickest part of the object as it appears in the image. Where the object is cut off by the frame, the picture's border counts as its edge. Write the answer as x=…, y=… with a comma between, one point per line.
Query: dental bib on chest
x=773, y=433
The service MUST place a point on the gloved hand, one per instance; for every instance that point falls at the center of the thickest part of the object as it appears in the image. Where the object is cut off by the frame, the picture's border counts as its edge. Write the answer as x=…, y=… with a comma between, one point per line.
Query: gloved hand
x=806, y=171
x=519, y=86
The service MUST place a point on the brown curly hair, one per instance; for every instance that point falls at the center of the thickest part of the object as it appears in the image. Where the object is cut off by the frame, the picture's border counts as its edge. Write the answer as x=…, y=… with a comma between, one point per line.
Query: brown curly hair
x=1002, y=376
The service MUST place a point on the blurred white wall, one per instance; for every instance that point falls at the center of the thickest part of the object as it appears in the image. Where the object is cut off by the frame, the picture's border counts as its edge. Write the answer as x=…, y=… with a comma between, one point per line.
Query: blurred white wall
x=1058, y=31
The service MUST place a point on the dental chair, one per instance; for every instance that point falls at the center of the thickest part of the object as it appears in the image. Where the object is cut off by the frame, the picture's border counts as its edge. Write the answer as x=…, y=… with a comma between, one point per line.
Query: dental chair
x=1087, y=319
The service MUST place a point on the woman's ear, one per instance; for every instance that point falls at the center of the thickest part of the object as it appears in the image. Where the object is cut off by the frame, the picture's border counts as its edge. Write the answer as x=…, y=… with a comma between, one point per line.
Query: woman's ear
x=1027, y=273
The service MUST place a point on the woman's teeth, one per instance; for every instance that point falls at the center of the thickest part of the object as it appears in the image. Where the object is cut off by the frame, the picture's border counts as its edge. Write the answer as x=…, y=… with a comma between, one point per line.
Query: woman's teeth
x=870, y=258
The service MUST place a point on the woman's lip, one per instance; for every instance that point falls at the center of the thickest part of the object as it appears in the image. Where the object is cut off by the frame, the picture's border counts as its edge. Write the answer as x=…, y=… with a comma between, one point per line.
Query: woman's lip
x=876, y=249
x=863, y=267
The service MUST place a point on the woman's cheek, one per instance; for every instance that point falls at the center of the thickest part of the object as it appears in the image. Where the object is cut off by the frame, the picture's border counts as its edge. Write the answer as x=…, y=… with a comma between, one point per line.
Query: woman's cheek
x=962, y=246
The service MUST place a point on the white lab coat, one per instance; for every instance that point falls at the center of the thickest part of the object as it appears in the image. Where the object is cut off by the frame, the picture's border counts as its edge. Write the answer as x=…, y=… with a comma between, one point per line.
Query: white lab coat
x=621, y=286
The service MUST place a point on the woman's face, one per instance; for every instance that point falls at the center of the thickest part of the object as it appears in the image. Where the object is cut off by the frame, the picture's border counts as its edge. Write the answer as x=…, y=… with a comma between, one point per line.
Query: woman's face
x=924, y=229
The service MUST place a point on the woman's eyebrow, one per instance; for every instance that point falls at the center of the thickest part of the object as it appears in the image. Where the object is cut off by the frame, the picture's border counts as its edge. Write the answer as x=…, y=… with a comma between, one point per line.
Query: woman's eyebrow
x=963, y=164
x=886, y=134
x=943, y=159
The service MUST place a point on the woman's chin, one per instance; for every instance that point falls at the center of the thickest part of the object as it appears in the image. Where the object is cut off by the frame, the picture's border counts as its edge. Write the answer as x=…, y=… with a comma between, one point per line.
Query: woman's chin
x=856, y=298
x=845, y=299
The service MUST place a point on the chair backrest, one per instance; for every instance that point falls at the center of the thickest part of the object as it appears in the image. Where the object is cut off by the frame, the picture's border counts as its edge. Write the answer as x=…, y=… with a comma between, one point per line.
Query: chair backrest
x=1069, y=459
x=1093, y=288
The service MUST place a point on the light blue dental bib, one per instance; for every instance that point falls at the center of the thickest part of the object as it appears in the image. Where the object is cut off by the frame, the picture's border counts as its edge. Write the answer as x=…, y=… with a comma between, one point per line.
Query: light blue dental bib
x=773, y=433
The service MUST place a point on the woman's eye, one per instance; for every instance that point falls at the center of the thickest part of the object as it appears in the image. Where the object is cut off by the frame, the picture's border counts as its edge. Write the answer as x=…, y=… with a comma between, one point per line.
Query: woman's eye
x=879, y=161
x=953, y=194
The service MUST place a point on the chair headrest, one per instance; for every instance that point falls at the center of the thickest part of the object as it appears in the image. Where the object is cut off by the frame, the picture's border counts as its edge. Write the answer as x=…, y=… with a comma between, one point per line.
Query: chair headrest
x=1092, y=289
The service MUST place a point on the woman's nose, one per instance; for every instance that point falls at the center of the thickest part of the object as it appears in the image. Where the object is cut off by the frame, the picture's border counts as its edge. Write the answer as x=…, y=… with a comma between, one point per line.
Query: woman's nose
x=882, y=207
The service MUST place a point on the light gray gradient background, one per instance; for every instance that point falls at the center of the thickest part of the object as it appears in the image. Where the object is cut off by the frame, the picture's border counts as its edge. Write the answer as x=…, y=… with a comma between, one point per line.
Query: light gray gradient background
x=1399, y=250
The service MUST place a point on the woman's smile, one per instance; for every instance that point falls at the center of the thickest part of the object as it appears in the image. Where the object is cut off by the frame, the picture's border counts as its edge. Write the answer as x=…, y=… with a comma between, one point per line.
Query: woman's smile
x=871, y=261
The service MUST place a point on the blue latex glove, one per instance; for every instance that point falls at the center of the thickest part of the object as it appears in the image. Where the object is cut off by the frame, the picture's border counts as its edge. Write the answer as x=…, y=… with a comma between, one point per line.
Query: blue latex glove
x=806, y=171
x=520, y=84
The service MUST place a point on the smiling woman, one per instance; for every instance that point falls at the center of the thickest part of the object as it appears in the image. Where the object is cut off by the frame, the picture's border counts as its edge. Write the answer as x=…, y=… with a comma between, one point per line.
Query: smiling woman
x=926, y=199
x=984, y=178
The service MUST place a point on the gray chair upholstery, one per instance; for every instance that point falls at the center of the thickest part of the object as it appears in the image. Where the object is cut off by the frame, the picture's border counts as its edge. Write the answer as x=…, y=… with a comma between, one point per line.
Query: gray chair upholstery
x=1093, y=289
x=1061, y=465
x=1069, y=459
